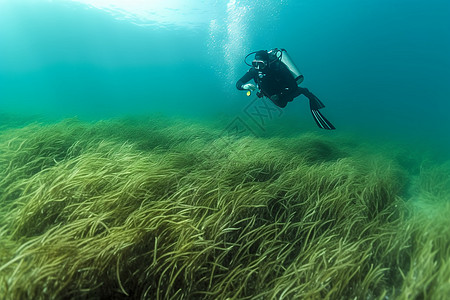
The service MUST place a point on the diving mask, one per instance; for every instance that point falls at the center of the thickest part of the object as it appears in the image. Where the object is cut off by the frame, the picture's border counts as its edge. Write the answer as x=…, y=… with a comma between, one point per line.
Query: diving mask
x=259, y=64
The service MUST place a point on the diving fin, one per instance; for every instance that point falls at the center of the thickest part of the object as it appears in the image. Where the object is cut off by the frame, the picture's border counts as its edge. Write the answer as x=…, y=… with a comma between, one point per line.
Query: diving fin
x=315, y=104
x=321, y=121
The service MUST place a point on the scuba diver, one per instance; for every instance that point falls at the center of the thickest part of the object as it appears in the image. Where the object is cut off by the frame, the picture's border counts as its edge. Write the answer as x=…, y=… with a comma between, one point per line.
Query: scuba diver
x=278, y=79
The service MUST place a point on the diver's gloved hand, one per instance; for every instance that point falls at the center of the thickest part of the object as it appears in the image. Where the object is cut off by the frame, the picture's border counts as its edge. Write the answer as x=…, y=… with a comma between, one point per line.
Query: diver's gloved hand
x=249, y=86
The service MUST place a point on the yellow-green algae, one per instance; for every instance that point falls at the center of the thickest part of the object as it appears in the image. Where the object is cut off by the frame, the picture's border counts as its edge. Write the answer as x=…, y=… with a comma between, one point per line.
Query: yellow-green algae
x=167, y=209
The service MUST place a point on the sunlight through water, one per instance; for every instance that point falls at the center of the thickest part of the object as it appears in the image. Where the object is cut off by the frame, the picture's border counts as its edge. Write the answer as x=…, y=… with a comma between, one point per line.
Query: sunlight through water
x=157, y=12
x=230, y=23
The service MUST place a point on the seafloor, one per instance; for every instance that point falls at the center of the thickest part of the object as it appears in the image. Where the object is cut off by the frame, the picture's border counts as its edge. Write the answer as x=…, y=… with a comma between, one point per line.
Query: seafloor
x=159, y=208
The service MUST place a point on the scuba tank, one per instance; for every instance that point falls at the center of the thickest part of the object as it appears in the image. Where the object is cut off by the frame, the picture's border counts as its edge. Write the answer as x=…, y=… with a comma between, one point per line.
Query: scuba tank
x=283, y=56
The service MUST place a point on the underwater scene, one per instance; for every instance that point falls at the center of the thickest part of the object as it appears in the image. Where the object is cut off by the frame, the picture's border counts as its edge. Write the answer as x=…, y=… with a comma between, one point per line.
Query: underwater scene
x=133, y=167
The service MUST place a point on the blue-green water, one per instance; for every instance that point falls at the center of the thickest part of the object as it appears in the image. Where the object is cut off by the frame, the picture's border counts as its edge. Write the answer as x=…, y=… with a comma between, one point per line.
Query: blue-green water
x=381, y=67
x=161, y=200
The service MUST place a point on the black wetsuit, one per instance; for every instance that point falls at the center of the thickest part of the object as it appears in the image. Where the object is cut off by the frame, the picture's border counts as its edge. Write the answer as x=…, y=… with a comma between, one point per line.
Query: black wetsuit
x=274, y=80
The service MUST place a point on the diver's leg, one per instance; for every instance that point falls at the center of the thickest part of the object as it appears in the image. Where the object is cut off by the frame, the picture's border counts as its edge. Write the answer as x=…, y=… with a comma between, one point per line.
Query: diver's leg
x=313, y=100
x=299, y=91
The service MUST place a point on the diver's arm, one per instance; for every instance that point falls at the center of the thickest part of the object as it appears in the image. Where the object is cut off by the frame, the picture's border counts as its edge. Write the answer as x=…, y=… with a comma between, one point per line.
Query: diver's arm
x=246, y=78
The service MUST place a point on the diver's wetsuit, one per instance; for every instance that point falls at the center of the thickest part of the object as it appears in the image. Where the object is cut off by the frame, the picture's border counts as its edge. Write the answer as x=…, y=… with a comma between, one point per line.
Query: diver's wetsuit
x=275, y=79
